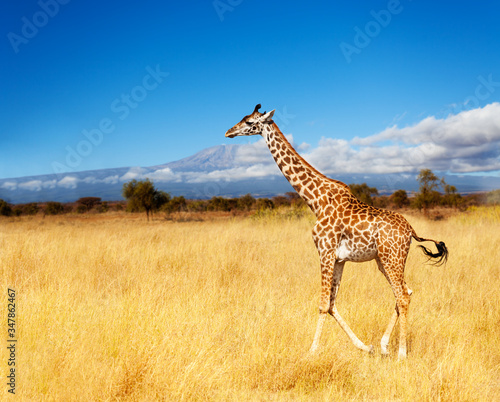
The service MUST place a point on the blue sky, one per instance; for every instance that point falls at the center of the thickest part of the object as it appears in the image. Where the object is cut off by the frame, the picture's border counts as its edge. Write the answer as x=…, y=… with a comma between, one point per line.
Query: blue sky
x=152, y=82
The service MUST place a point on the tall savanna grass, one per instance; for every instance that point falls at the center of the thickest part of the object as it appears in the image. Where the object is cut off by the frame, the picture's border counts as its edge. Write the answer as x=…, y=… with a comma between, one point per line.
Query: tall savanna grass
x=116, y=308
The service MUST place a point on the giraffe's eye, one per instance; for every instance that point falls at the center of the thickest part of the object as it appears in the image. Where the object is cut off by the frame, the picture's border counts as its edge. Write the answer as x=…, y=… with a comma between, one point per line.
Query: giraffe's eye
x=249, y=122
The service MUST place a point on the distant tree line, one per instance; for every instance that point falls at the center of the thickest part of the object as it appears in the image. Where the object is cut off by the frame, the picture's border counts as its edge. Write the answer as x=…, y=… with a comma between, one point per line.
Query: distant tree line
x=142, y=196
x=426, y=198
x=82, y=205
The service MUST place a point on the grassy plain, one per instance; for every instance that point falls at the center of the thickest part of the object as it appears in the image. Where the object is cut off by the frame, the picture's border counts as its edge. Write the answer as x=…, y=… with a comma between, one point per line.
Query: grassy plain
x=112, y=307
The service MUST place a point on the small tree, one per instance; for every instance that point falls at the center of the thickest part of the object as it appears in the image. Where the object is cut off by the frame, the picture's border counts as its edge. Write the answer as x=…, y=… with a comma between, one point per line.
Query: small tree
x=88, y=203
x=197, y=205
x=381, y=201
x=54, y=208
x=493, y=197
x=295, y=199
x=30, y=209
x=400, y=199
x=104, y=207
x=428, y=195
x=218, y=204
x=5, y=209
x=264, y=203
x=17, y=211
x=142, y=195
x=451, y=198
x=246, y=202
x=363, y=193
x=176, y=204
x=81, y=209
x=280, y=201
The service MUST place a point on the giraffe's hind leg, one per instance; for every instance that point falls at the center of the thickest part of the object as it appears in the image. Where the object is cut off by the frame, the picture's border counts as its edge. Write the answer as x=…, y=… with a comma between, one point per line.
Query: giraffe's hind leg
x=402, y=294
x=384, y=343
x=402, y=302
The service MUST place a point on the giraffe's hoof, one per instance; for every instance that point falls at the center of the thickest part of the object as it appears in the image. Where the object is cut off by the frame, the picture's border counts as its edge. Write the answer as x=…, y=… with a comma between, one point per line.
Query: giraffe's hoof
x=402, y=355
x=313, y=352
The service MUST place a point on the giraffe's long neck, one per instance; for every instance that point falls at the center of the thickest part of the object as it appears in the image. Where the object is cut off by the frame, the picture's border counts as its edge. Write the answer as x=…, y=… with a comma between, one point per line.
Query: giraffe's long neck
x=305, y=179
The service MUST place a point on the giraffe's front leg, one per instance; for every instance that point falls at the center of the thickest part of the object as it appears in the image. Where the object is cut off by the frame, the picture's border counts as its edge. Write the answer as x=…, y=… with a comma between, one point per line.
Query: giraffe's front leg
x=326, y=278
x=317, y=335
x=327, y=262
x=384, y=343
x=337, y=276
x=331, y=273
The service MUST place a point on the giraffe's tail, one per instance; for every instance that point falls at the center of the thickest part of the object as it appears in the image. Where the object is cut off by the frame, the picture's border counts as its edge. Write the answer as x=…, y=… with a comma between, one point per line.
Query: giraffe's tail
x=442, y=252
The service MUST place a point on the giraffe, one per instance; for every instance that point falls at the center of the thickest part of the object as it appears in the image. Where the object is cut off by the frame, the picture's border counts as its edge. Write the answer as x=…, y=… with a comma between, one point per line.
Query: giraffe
x=345, y=230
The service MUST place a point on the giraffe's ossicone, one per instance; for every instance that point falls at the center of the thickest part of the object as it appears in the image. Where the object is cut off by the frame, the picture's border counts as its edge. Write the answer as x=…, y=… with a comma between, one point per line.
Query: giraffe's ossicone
x=346, y=230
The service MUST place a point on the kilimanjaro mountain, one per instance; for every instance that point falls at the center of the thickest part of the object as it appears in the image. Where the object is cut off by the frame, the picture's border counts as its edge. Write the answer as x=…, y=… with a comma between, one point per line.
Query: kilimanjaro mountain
x=223, y=170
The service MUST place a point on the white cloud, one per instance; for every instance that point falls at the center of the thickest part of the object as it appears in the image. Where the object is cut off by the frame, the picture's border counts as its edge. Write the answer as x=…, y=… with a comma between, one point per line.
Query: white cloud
x=233, y=174
x=164, y=175
x=10, y=185
x=258, y=152
x=253, y=153
x=32, y=185
x=137, y=173
x=90, y=180
x=68, y=182
x=468, y=128
x=462, y=143
x=111, y=179
x=303, y=147
x=133, y=173
x=107, y=180
x=49, y=184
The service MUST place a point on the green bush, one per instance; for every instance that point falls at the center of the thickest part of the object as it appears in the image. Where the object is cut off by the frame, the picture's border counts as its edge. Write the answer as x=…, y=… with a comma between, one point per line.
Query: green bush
x=54, y=208
x=5, y=209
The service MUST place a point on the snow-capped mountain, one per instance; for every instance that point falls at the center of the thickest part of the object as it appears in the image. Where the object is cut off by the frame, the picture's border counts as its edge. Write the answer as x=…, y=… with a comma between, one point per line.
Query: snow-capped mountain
x=211, y=172
x=214, y=158
x=223, y=170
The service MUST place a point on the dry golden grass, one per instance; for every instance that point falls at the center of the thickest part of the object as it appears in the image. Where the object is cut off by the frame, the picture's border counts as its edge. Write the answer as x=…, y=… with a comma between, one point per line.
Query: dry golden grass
x=115, y=308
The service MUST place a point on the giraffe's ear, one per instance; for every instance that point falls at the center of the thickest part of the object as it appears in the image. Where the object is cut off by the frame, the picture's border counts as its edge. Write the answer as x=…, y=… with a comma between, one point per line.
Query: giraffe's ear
x=268, y=116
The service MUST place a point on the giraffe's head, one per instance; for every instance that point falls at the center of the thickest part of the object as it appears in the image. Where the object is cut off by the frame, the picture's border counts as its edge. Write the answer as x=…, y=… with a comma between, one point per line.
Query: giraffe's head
x=253, y=124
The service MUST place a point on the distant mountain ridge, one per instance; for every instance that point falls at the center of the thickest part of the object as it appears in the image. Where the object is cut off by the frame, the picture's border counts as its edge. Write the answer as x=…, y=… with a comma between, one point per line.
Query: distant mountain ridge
x=107, y=183
x=214, y=158
x=222, y=170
